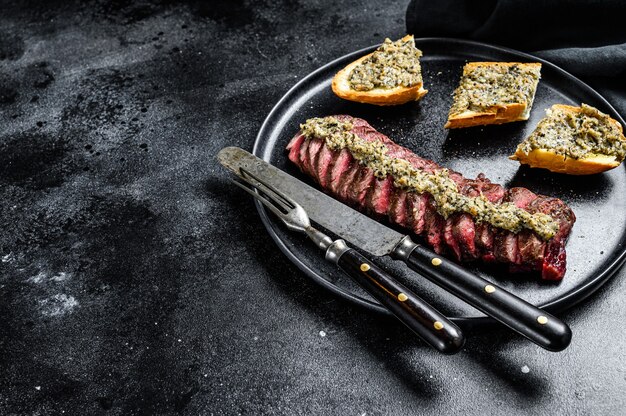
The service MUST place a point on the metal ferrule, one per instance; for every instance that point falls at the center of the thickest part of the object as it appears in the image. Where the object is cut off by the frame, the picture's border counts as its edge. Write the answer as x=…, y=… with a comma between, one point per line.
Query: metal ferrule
x=336, y=250
x=404, y=248
x=319, y=238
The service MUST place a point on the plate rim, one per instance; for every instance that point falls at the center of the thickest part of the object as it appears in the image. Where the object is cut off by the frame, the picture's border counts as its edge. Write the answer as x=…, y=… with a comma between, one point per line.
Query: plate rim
x=557, y=305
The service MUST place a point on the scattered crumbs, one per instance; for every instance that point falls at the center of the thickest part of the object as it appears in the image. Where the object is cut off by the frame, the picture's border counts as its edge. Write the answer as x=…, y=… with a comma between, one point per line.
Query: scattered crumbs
x=525, y=369
x=8, y=258
x=322, y=334
x=37, y=388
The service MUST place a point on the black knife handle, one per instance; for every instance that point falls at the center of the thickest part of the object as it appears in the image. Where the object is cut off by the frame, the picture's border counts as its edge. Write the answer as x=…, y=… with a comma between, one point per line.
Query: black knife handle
x=535, y=324
x=428, y=323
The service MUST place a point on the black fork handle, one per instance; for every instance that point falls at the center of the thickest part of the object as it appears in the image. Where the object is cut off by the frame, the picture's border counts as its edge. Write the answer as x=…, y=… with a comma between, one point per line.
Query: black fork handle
x=427, y=322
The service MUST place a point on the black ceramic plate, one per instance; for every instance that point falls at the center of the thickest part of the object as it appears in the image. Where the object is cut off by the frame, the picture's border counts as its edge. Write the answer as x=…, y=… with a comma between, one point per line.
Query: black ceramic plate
x=596, y=247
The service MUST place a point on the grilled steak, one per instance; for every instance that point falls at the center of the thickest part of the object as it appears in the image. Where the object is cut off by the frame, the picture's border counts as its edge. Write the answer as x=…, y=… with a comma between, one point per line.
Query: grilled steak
x=459, y=235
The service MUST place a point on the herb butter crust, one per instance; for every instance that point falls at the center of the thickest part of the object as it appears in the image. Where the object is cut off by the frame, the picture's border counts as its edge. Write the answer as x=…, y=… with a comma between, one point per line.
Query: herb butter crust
x=494, y=93
x=575, y=141
x=343, y=84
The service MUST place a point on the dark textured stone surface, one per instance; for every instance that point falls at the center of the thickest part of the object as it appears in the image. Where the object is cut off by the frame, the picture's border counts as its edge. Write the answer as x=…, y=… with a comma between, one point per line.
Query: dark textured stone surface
x=134, y=280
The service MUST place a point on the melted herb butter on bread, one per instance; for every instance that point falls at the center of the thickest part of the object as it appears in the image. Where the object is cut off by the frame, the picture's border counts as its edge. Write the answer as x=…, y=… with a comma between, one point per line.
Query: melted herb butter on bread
x=494, y=93
x=488, y=86
x=577, y=134
x=391, y=75
x=392, y=65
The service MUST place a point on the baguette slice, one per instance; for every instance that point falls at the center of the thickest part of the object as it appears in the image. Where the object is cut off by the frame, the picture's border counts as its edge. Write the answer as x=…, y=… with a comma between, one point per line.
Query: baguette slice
x=568, y=124
x=377, y=96
x=484, y=93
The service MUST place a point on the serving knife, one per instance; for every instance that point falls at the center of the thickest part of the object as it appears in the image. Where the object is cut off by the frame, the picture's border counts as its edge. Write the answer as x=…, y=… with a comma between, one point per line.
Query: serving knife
x=377, y=239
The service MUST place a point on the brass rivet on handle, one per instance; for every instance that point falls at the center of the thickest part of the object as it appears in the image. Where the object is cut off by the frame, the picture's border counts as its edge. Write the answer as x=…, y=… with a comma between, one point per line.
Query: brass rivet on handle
x=402, y=297
x=436, y=261
x=438, y=325
x=490, y=289
x=365, y=267
x=542, y=320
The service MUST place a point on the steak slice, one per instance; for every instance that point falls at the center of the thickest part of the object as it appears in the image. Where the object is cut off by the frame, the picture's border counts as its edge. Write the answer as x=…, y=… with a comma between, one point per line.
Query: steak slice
x=417, y=211
x=361, y=186
x=434, y=226
x=294, y=147
x=398, y=211
x=313, y=154
x=459, y=235
x=324, y=165
x=347, y=181
x=554, y=261
x=339, y=171
x=378, y=198
x=449, y=237
x=464, y=232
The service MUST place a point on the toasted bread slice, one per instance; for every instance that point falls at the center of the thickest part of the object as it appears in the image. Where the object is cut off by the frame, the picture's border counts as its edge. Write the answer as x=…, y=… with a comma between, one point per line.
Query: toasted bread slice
x=379, y=95
x=494, y=93
x=575, y=141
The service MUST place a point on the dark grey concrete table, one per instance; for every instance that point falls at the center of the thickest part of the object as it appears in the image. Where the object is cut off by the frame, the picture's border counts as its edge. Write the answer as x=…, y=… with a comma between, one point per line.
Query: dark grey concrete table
x=133, y=280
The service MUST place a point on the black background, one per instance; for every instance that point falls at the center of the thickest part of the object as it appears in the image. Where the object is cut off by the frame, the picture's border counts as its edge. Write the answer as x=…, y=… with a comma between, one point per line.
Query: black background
x=135, y=280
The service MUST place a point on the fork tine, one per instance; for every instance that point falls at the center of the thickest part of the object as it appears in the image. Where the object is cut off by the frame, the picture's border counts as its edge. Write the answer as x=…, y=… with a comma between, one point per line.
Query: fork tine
x=265, y=201
x=265, y=190
x=287, y=200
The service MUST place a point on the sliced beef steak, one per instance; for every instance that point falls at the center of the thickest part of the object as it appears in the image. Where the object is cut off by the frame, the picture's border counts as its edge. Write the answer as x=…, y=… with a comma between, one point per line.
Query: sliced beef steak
x=460, y=236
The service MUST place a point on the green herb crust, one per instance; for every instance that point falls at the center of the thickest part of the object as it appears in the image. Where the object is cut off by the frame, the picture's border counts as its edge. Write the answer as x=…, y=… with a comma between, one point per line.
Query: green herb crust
x=392, y=65
x=444, y=190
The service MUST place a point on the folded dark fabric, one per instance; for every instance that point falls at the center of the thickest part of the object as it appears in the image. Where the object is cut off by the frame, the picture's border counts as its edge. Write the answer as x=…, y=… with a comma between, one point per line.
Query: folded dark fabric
x=585, y=37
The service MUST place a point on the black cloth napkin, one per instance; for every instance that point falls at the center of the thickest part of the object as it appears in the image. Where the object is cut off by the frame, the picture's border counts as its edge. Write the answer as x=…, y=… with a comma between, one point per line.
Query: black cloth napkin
x=585, y=37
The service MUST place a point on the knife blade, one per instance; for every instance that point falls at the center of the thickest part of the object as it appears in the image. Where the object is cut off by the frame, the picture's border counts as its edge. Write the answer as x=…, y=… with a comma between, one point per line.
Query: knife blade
x=377, y=239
